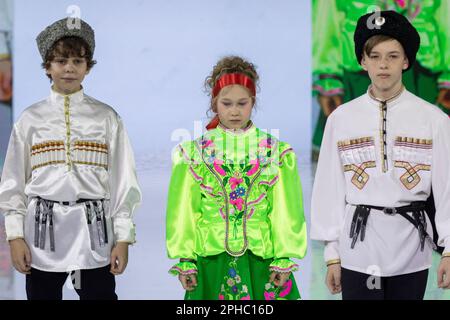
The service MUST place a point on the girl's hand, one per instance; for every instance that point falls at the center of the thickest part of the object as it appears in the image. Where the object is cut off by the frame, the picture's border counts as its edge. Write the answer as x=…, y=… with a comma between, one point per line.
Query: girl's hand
x=119, y=258
x=189, y=282
x=20, y=255
x=329, y=103
x=279, y=278
x=333, y=280
x=444, y=98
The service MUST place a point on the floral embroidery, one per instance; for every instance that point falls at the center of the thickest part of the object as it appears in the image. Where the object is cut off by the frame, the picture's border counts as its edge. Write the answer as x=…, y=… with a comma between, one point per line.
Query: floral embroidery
x=236, y=177
x=233, y=288
x=236, y=180
x=206, y=143
x=277, y=293
x=401, y=3
x=255, y=167
x=408, y=8
x=240, y=192
x=218, y=167
x=267, y=143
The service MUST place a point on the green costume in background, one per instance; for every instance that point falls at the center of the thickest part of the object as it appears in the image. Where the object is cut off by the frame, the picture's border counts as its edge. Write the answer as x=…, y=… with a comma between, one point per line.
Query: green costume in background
x=335, y=69
x=235, y=208
x=337, y=72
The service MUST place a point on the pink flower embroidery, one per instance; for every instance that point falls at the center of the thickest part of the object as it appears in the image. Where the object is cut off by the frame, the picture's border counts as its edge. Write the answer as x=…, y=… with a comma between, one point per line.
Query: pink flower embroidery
x=254, y=168
x=266, y=143
x=238, y=203
x=218, y=166
x=234, y=182
x=287, y=286
x=269, y=295
x=401, y=3
x=221, y=297
x=245, y=298
x=207, y=143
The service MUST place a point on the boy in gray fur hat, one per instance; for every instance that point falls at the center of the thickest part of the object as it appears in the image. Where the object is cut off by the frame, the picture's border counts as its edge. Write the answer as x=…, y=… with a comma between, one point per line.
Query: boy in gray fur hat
x=69, y=188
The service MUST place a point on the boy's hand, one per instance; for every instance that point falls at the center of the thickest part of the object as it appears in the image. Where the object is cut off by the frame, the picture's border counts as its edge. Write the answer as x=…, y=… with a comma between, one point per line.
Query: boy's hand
x=444, y=98
x=444, y=273
x=279, y=278
x=119, y=258
x=20, y=255
x=329, y=103
x=333, y=279
x=189, y=282
x=5, y=80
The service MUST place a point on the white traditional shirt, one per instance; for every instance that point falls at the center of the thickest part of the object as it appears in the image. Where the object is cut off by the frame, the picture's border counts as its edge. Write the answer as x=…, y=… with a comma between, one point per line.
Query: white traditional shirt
x=356, y=167
x=67, y=148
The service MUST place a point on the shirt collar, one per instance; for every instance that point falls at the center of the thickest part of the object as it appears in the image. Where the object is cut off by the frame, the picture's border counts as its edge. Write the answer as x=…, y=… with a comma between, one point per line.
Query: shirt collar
x=392, y=101
x=239, y=132
x=60, y=98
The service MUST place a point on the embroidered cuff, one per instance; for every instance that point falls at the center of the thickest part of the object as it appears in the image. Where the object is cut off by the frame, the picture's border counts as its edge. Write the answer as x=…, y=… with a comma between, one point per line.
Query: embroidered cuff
x=328, y=87
x=184, y=268
x=283, y=265
x=124, y=230
x=14, y=226
x=331, y=262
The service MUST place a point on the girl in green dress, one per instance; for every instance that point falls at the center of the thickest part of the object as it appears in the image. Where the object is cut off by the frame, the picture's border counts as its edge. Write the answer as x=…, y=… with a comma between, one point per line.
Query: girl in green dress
x=235, y=210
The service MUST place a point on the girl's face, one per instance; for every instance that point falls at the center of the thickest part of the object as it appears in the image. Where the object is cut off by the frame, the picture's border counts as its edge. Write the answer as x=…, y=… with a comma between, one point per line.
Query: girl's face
x=234, y=106
x=385, y=65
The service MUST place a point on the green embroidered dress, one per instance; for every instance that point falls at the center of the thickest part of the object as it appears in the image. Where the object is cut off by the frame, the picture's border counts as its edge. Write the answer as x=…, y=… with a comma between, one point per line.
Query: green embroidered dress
x=235, y=208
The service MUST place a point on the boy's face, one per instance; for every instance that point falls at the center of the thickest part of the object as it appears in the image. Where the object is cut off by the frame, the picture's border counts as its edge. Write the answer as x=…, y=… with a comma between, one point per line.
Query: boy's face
x=67, y=73
x=234, y=106
x=385, y=65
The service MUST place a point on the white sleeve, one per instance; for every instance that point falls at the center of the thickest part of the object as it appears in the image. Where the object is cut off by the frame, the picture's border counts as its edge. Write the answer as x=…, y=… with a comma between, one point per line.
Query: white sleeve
x=124, y=188
x=16, y=173
x=328, y=196
x=440, y=180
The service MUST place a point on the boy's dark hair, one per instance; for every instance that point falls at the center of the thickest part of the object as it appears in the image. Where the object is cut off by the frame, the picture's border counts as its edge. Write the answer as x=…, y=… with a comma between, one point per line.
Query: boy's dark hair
x=69, y=47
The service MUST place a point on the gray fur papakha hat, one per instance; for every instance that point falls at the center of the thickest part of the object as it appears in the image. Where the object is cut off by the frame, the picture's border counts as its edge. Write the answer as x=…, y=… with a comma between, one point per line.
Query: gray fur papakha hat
x=67, y=27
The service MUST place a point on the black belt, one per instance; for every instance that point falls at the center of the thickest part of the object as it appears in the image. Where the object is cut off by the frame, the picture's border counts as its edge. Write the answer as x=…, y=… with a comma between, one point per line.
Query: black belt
x=44, y=213
x=418, y=219
x=71, y=203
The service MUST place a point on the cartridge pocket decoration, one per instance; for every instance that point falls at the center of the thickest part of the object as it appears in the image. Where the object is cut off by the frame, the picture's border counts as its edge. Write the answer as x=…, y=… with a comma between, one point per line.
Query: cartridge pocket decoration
x=47, y=153
x=412, y=162
x=358, y=160
x=90, y=153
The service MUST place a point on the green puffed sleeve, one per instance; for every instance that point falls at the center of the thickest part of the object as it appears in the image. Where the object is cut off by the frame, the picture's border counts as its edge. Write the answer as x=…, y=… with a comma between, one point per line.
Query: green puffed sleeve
x=327, y=50
x=183, y=207
x=287, y=218
x=443, y=24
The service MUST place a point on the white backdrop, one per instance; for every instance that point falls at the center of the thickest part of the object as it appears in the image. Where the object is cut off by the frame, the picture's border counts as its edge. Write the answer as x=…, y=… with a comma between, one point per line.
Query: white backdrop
x=153, y=57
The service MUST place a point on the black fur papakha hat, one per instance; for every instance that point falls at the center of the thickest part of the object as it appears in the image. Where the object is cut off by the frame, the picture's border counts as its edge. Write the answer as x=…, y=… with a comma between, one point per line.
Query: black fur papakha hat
x=389, y=23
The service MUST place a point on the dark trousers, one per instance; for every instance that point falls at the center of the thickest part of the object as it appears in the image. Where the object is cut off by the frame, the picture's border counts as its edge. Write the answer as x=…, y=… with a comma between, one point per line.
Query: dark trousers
x=361, y=286
x=91, y=284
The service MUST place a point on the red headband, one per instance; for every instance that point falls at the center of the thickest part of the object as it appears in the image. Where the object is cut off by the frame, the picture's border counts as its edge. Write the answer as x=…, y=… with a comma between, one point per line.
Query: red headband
x=234, y=78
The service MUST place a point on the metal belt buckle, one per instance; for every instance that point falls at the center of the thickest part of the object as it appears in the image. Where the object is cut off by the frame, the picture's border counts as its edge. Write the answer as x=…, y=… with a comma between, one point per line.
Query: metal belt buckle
x=390, y=211
x=67, y=203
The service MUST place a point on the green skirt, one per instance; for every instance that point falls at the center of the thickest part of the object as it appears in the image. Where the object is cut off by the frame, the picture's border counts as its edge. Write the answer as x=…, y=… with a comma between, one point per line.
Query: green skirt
x=223, y=277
